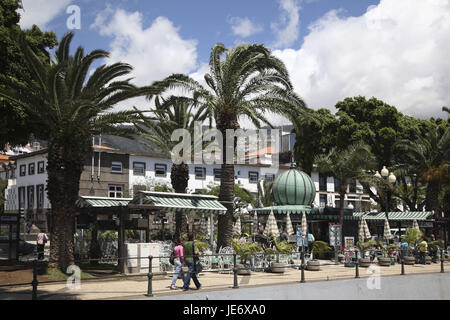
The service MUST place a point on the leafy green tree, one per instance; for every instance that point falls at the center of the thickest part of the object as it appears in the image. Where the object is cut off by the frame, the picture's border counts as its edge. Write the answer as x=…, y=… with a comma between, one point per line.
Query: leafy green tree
x=169, y=115
x=346, y=165
x=16, y=126
x=430, y=156
x=68, y=108
x=246, y=81
x=313, y=136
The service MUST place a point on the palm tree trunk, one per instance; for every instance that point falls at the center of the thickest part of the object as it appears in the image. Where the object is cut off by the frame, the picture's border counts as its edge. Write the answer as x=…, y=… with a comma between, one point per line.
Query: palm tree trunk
x=226, y=195
x=342, y=192
x=64, y=170
x=432, y=200
x=179, y=177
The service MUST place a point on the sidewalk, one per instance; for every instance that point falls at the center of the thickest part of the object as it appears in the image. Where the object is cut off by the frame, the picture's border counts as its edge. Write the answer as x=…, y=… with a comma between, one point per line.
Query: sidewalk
x=136, y=288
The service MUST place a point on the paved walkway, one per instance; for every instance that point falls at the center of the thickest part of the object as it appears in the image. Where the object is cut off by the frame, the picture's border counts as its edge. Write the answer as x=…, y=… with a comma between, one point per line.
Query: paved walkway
x=136, y=288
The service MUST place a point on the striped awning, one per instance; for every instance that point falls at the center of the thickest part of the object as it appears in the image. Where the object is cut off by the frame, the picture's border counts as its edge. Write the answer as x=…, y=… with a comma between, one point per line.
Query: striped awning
x=291, y=209
x=102, y=202
x=171, y=202
x=407, y=215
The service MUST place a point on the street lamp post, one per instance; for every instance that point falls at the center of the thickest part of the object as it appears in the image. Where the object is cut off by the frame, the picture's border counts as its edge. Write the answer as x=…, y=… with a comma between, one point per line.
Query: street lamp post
x=389, y=181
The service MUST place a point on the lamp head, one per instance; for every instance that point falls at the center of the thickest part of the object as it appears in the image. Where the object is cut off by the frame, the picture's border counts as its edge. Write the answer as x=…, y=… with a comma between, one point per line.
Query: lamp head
x=377, y=175
x=384, y=171
x=392, y=178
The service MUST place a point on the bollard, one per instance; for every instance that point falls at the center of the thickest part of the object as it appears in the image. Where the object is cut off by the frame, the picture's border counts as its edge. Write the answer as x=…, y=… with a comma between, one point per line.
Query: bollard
x=303, y=265
x=150, y=276
x=442, y=260
x=34, y=283
x=235, y=284
x=356, y=264
x=403, y=262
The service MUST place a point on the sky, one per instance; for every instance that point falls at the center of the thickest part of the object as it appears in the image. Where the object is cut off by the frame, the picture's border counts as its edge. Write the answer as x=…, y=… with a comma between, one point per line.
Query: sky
x=394, y=50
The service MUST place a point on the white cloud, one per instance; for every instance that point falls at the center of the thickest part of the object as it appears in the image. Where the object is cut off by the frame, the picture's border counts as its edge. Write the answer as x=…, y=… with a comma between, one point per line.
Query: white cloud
x=40, y=12
x=396, y=51
x=154, y=52
x=287, y=29
x=244, y=27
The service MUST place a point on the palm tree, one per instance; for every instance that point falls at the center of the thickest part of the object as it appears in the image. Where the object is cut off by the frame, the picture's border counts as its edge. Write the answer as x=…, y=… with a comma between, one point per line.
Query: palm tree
x=67, y=109
x=346, y=166
x=265, y=196
x=169, y=115
x=430, y=156
x=247, y=82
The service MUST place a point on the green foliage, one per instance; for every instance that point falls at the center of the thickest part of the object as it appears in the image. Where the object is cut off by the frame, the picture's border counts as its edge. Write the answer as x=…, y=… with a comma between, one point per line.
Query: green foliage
x=320, y=247
x=245, y=195
x=436, y=244
x=18, y=125
x=245, y=249
x=3, y=186
x=110, y=235
x=364, y=246
x=411, y=236
x=283, y=247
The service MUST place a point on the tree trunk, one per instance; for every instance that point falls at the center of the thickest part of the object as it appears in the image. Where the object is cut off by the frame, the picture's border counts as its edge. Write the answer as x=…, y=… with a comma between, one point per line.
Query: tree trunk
x=179, y=177
x=64, y=167
x=342, y=192
x=432, y=200
x=226, y=120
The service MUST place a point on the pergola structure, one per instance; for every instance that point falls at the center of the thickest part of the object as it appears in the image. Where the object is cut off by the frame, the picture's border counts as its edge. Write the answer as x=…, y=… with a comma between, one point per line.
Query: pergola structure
x=134, y=213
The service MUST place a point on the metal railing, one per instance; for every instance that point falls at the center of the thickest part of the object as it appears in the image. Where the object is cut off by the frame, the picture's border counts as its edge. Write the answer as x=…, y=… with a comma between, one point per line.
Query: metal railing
x=350, y=256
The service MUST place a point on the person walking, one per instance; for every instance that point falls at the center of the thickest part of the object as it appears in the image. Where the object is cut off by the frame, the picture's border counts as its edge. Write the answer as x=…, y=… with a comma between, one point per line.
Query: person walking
x=423, y=249
x=190, y=249
x=178, y=260
x=42, y=239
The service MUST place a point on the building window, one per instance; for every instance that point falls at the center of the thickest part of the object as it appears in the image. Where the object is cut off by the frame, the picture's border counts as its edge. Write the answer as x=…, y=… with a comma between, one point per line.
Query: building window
x=139, y=168
x=41, y=167
x=323, y=200
x=31, y=168
x=40, y=196
x=270, y=177
x=200, y=173
x=116, y=167
x=352, y=187
x=115, y=191
x=30, y=197
x=322, y=183
x=160, y=169
x=336, y=185
x=253, y=177
x=217, y=173
x=23, y=170
x=158, y=219
x=21, y=198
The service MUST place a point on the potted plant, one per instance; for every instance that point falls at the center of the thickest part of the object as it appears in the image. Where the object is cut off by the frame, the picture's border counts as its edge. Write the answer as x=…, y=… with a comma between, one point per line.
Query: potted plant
x=281, y=247
x=391, y=251
x=245, y=250
x=385, y=260
x=318, y=249
x=363, y=248
x=411, y=236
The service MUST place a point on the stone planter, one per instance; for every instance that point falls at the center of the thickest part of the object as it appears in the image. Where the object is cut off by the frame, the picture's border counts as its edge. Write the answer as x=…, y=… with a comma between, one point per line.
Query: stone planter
x=409, y=260
x=278, y=267
x=364, y=262
x=384, y=262
x=313, y=265
x=428, y=260
x=243, y=270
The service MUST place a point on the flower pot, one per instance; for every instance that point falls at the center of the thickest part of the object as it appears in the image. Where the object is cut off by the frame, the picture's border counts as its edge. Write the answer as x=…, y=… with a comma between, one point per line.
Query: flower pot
x=409, y=260
x=313, y=265
x=278, y=267
x=385, y=262
x=243, y=270
x=364, y=262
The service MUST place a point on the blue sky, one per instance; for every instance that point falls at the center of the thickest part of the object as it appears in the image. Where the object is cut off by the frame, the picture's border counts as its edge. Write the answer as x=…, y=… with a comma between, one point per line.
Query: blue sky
x=395, y=50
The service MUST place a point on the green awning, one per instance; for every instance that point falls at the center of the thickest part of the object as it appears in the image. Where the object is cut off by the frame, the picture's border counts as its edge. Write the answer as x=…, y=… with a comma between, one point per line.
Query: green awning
x=407, y=215
x=102, y=202
x=291, y=209
x=171, y=202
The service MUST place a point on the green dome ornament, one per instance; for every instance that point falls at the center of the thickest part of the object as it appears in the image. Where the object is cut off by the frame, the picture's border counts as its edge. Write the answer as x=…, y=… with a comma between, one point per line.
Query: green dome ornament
x=294, y=187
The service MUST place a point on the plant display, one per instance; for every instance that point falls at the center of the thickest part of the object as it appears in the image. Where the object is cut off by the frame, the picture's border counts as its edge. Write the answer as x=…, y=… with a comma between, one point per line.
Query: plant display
x=245, y=249
x=411, y=236
x=319, y=248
